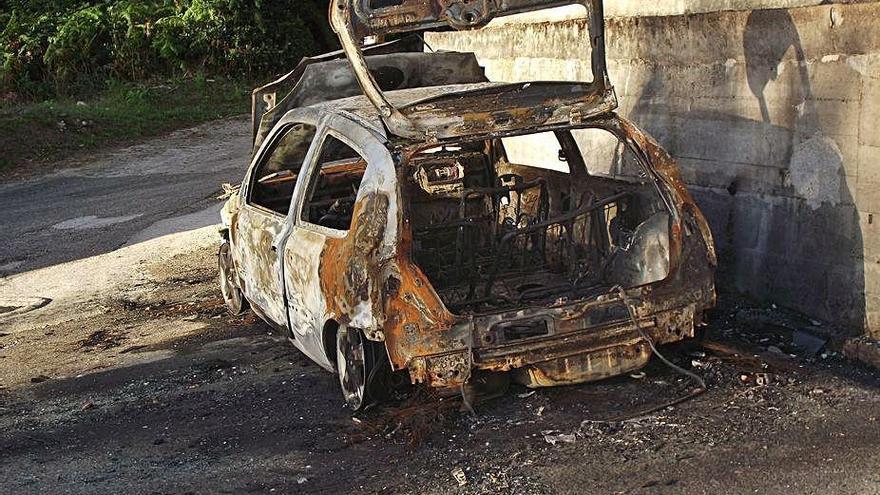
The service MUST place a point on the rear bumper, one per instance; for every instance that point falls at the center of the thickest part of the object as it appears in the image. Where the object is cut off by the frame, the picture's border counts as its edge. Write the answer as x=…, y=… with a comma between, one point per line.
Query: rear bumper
x=573, y=351
x=578, y=342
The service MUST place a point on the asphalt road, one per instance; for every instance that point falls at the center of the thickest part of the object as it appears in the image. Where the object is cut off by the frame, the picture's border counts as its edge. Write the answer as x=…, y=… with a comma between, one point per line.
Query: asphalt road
x=127, y=195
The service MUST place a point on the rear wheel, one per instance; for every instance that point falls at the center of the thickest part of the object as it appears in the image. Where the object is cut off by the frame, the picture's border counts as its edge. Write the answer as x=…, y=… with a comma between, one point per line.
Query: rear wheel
x=232, y=294
x=358, y=362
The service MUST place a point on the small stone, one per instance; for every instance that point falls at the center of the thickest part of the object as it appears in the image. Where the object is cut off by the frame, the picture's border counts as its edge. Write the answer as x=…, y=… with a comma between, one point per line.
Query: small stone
x=553, y=439
x=460, y=477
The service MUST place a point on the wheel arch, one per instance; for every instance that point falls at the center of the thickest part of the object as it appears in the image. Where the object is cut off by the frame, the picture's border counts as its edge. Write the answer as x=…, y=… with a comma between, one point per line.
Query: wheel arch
x=328, y=340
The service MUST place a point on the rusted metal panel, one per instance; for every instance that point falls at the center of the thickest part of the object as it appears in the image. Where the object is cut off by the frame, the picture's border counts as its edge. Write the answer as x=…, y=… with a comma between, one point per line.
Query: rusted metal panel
x=377, y=17
x=585, y=367
x=503, y=107
x=349, y=266
x=266, y=97
x=256, y=231
x=328, y=78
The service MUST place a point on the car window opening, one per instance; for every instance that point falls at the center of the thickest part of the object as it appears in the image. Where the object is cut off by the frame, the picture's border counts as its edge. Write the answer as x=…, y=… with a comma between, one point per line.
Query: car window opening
x=275, y=177
x=334, y=185
x=524, y=220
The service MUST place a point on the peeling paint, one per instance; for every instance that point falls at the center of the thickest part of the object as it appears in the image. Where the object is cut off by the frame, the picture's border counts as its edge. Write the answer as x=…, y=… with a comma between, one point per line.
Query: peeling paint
x=867, y=64
x=815, y=169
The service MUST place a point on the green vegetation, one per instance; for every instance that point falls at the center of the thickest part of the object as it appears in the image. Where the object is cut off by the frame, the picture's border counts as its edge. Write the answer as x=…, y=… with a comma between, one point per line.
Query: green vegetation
x=35, y=133
x=67, y=47
x=140, y=66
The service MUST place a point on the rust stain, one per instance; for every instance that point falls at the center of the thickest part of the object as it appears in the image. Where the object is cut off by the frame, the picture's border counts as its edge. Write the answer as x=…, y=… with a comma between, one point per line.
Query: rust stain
x=403, y=302
x=417, y=319
x=349, y=266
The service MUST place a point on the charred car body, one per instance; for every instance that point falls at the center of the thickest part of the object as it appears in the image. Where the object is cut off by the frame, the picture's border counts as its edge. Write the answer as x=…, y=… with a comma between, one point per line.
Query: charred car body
x=403, y=212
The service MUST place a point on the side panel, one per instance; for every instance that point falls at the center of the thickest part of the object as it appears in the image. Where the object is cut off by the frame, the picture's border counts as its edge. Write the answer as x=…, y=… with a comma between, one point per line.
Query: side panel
x=305, y=304
x=258, y=264
x=258, y=235
x=324, y=272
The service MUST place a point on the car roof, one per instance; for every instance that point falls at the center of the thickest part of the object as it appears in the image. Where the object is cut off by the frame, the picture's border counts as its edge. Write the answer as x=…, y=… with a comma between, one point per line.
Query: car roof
x=361, y=107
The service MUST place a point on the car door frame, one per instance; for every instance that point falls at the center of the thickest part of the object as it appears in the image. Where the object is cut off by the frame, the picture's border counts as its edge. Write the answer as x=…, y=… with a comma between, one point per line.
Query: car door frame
x=307, y=309
x=273, y=311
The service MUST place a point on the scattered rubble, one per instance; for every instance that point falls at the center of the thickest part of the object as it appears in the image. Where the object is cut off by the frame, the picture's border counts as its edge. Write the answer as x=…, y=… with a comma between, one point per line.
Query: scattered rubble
x=809, y=343
x=459, y=476
x=552, y=437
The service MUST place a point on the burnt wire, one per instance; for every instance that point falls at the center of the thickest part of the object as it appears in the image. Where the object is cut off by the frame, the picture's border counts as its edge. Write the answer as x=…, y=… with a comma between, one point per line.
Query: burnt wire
x=701, y=384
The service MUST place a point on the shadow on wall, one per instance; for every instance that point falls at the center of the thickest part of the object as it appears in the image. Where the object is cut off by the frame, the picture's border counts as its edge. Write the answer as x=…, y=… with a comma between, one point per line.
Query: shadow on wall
x=763, y=54
x=774, y=189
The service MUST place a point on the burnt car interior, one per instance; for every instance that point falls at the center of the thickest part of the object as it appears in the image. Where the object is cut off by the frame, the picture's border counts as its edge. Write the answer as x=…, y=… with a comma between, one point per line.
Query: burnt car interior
x=497, y=226
x=333, y=187
x=333, y=190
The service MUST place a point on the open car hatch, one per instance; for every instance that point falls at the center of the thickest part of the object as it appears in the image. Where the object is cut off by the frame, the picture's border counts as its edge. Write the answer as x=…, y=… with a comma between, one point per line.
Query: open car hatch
x=490, y=108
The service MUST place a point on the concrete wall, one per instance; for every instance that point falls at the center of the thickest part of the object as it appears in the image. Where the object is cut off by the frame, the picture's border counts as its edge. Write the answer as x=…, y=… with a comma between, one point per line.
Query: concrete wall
x=633, y=8
x=773, y=116
x=641, y=8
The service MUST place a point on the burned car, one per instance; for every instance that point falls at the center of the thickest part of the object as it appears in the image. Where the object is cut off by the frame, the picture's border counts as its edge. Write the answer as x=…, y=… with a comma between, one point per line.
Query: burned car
x=404, y=215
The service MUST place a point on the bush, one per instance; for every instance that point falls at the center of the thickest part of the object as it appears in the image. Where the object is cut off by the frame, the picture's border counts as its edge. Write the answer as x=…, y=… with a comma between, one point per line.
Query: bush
x=78, y=51
x=69, y=47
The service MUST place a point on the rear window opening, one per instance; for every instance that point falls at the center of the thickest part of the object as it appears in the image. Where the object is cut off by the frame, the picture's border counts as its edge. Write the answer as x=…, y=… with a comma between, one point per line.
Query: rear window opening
x=538, y=219
x=334, y=185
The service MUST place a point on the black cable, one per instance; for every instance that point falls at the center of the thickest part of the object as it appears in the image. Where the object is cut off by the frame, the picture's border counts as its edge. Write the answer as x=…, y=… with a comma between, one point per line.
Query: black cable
x=632, y=315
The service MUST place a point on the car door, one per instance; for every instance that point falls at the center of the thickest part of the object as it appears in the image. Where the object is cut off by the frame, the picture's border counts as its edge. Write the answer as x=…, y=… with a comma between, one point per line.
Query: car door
x=347, y=162
x=262, y=220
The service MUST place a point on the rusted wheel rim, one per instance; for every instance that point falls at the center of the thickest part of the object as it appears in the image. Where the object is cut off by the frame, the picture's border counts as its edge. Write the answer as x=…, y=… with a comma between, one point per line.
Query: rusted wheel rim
x=228, y=287
x=352, y=366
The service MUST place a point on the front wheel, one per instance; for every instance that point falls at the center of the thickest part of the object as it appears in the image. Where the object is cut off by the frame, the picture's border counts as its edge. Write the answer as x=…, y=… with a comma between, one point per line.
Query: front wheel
x=232, y=294
x=357, y=362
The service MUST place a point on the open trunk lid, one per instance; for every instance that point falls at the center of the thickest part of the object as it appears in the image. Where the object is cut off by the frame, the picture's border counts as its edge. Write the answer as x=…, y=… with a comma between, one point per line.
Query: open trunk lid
x=503, y=107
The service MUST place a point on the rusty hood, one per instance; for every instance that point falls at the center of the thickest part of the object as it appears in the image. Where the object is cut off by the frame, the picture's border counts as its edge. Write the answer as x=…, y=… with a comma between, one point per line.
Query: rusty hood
x=497, y=108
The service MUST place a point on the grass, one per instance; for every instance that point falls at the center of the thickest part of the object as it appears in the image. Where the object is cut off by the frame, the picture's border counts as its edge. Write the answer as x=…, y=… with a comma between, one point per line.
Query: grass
x=37, y=136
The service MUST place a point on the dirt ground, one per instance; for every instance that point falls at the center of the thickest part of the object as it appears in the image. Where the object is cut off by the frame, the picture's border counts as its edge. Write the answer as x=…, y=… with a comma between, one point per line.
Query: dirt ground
x=151, y=387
